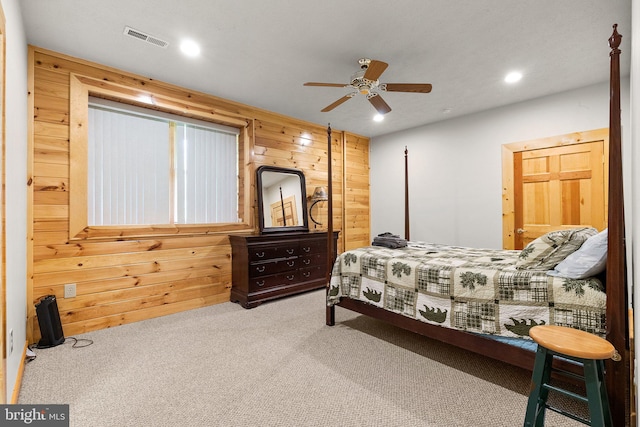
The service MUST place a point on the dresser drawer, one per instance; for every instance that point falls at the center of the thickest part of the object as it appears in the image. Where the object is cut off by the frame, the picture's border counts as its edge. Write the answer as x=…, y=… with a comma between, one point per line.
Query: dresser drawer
x=312, y=260
x=267, y=252
x=313, y=246
x=312, y=273
x=282, y=279
x=265, y=268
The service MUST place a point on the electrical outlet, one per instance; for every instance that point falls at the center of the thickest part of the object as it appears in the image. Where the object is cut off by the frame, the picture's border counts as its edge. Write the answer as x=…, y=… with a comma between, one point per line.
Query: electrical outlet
x=70, y=290
x=10, y=341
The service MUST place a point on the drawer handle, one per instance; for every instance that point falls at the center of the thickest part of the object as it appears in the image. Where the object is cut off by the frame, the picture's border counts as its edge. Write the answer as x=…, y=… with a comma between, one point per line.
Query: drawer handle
x=306, y=274
x=306, y=261
x=291, y=263
x=260, y=254
x=307, y=249
x=260, y=283
x=261, y=269
x=290, y=277
x=290, y=251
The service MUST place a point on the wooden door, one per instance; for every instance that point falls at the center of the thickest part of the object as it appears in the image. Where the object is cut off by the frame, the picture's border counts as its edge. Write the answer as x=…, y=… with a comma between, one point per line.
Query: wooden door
x=288, y=206
x=556, y=183
x=559, y=187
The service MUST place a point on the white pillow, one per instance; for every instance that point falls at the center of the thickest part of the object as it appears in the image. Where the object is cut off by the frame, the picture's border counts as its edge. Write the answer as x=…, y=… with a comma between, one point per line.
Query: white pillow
x=587, y=261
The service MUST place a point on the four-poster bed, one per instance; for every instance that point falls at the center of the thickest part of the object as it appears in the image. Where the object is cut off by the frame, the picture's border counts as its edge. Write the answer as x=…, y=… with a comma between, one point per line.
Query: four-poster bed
x=614, y=303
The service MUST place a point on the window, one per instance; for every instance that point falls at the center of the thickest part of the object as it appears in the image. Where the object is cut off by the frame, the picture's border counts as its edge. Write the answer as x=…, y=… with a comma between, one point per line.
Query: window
x=179, y=166
x=206, y=175
x=151, y=168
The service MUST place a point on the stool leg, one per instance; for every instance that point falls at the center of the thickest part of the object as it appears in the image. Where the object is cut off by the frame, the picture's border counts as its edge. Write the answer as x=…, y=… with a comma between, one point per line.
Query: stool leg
x=536, y=405
x=596, y=393
x=603, y=394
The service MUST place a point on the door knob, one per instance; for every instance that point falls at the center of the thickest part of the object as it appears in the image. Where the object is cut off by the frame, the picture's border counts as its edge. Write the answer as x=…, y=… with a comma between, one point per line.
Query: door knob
x=520, y=231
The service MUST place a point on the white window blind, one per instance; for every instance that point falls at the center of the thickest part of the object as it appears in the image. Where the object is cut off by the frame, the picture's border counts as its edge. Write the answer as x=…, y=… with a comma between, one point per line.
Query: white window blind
x=128, y=164
x=130, y=176
x=206, y=175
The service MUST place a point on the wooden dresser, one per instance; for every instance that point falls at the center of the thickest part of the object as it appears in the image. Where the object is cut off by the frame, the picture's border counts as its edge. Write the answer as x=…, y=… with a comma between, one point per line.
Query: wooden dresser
x=271, y=266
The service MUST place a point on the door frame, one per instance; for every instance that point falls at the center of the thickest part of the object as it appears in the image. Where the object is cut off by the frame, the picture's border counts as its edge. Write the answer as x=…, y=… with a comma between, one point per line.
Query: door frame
x=508, y=189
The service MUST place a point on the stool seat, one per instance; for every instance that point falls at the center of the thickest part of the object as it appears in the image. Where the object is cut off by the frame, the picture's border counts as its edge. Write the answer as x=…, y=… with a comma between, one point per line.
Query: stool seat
x=572, y=342
x=582, y=347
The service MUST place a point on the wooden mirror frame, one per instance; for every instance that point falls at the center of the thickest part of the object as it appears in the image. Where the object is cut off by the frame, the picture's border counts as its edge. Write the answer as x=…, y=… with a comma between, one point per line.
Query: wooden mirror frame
x=300, y=204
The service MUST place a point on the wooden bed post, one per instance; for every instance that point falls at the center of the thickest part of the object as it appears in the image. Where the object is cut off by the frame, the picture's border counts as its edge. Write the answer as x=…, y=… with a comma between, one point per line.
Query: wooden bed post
x=406, y=193
x=331, y=310
x=617, y=373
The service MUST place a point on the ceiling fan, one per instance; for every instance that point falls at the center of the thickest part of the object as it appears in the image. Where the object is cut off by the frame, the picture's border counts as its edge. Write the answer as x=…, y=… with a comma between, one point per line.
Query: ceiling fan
x=366, y=83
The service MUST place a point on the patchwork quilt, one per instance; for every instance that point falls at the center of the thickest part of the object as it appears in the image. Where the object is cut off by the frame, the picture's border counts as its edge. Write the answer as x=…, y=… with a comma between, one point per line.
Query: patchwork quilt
x=476, y=290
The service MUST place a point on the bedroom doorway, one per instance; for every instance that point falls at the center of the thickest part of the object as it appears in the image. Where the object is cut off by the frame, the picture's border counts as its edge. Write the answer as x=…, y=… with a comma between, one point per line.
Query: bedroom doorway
x=554, y=183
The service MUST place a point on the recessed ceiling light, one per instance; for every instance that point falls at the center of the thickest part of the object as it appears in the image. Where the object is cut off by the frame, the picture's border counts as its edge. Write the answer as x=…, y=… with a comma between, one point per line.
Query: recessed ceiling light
x=190, y=48
x=378, y=118
x=513, y=77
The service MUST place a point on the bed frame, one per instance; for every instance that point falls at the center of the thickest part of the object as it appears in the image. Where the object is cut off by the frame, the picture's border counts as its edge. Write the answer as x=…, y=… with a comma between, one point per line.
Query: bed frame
x=618, y=373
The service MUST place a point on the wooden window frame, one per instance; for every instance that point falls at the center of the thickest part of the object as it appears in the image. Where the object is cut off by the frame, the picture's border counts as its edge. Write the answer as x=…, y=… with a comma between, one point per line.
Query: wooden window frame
x=81, y=87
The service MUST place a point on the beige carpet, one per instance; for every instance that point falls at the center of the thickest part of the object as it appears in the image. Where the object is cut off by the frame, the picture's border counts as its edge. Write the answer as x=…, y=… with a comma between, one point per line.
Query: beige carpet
x=275, y=365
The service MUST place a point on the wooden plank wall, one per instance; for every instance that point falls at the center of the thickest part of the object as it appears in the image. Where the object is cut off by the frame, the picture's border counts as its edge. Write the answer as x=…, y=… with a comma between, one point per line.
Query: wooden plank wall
x=123, y=280
x=356, y=190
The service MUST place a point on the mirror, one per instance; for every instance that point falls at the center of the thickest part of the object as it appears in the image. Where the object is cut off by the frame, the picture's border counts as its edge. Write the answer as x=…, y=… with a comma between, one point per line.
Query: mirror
x=282, y=200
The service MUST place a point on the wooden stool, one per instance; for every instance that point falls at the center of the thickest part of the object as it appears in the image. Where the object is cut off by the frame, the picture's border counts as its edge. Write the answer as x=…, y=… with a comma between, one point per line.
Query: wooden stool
x=583, y=347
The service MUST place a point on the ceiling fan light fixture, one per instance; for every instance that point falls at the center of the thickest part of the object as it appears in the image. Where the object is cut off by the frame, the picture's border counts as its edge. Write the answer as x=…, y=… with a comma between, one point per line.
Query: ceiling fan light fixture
x=357, y=78
x=378, y=117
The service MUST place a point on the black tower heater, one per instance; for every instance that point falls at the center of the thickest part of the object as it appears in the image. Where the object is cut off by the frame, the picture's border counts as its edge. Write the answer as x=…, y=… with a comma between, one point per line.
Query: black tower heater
x=49, y=320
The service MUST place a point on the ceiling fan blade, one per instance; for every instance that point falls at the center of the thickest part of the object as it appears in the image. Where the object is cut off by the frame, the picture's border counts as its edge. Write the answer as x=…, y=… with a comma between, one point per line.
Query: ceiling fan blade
x=325, y=84
x=408, y=87
x=375, y=70
x=335, y=104
x=379, y=104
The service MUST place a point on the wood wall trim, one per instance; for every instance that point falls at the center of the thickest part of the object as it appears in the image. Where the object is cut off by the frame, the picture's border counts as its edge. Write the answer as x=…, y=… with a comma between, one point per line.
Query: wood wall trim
x=78, y=136
x=16, y=388
x=343, y=159
x=81, y=87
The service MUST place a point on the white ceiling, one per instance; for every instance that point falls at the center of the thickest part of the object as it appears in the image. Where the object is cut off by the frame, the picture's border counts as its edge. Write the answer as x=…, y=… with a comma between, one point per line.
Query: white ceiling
x=260, y=52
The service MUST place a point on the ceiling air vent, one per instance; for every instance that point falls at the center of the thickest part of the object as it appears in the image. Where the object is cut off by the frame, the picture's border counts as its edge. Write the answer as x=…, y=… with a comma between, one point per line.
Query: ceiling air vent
x=145, y=37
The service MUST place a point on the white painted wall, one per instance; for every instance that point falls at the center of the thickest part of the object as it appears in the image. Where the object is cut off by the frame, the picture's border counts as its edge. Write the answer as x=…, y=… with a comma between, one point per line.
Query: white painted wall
x=16, y=189
x=455, y=166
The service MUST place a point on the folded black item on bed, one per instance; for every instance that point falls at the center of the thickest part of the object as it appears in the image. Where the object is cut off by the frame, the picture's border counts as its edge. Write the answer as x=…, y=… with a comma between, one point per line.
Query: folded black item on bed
x=389, y=240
